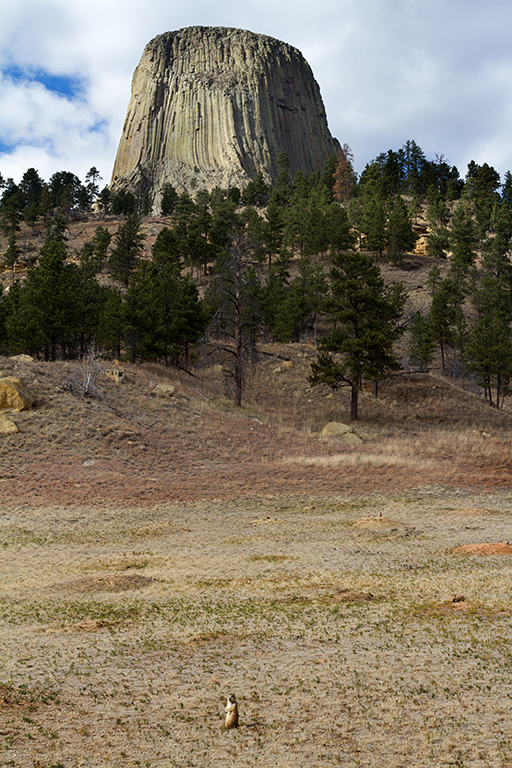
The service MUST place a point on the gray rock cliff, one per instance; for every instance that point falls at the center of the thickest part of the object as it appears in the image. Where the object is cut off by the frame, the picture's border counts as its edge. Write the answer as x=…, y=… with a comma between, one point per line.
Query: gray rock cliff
x=212, y=106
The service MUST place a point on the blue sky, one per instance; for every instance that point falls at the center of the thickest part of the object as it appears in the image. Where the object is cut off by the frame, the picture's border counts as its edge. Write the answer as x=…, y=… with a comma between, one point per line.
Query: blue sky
x=389, y=70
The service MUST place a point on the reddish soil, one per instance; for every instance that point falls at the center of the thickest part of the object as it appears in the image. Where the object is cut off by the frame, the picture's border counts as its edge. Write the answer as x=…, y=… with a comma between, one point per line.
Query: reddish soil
x=239, y=458
x=497, y=548
x=128, y=447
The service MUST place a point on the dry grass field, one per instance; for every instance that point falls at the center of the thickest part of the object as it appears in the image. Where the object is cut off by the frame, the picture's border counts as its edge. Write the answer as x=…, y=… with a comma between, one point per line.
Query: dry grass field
x=158, y=552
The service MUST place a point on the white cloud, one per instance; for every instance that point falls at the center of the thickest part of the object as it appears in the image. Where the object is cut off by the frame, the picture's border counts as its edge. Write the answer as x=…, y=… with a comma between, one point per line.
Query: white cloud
x=388, y=70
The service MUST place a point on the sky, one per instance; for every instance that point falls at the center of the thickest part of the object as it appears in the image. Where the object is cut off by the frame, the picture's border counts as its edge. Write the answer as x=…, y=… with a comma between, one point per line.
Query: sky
x=435, y=71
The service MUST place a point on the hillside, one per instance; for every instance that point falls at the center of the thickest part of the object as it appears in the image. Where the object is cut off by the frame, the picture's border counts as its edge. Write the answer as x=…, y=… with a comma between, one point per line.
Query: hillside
x=135, y=443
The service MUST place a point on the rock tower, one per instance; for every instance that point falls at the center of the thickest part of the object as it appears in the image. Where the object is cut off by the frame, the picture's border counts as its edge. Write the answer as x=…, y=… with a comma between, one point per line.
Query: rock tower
x=212, y=106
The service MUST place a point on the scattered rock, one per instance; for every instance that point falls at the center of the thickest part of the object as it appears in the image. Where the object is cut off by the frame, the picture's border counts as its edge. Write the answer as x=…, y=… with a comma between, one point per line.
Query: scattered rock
x=336, y=429
x=351, y=437
x=287, y=365
x=7, y=426
x=15, y=395
x=117, y=374
x=341, y=432
x=163, y=390
x=22, y=358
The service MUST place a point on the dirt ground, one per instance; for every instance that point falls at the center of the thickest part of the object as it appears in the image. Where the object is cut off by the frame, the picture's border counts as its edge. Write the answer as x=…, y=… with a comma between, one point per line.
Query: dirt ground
x=160, y=549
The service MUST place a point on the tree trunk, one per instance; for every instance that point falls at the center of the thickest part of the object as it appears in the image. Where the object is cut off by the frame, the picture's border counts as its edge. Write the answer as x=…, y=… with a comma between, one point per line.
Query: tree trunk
x=238, y=372
x=353, y=402
x=489, y=390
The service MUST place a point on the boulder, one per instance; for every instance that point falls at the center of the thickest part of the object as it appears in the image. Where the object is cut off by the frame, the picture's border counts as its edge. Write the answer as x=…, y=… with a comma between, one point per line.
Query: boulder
x=351, y=437
x=336, y=429
x=22, y=358
x=15, y=395
x=116, y=374
x=7, y=426
x=342, y=432
x=213, y=106
x=163, y=390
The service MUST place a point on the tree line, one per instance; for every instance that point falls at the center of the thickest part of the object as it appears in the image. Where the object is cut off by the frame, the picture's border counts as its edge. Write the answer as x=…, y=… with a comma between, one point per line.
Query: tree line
x=265, y=255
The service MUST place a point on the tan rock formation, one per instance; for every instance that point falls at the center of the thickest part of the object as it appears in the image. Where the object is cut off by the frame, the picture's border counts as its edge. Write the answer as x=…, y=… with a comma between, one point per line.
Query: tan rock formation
x=341, y=432
x=14, y=395
x=212, y=106
x=163, y=390
x=7, y=426
x=336, y=429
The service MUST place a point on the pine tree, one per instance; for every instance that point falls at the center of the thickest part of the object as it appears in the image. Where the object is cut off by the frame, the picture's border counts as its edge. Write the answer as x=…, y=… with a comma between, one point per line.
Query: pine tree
x=344, y=175
x=366, y=313
x=31, y=185
x=297, y=303
x=92, y=178
x=48, y=316
x=256, y=191
x=489, y=352
x=421, y=344
x=338, y=228
x=273, y=228
x=127, y=249
x=438, y=243
x=462, y=241
x=169, y=199
x=235, y=321
x=400, y=234
x=101, y=241
x=12, y=254
x=373, y=224
x=445, y=314
x=111, y=324
x=167, y=248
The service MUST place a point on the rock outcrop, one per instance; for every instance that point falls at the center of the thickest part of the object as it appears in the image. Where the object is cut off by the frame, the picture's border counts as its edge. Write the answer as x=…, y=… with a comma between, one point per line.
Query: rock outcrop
x=15, y=395
x=7, y=426
x=341, y=432
x=212, y=106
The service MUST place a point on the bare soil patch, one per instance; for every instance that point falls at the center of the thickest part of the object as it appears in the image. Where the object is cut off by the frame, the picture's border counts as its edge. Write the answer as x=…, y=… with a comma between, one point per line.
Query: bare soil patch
x=379, y=523
x=497, y=548
x=472, y=511
x=113, y=583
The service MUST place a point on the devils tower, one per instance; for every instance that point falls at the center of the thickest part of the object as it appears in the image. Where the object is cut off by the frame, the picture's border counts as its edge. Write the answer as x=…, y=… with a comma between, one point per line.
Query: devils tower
x=212, y=106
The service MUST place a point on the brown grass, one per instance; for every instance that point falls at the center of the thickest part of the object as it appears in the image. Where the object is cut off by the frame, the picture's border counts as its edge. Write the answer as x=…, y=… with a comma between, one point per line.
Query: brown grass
x=159, y=553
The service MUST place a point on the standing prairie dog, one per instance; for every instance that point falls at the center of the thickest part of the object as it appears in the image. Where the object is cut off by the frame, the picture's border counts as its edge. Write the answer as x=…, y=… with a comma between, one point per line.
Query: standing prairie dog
x=231, y=711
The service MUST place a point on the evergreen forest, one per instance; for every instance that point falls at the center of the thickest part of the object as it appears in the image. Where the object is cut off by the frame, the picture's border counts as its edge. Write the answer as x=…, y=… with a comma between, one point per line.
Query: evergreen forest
x=296, y=261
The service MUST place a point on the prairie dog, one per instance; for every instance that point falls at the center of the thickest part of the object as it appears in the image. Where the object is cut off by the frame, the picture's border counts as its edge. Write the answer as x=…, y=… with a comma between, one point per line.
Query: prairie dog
x=231, y=711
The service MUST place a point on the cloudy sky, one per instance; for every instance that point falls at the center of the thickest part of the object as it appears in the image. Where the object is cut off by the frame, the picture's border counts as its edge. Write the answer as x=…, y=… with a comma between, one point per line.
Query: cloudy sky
x=436, y=71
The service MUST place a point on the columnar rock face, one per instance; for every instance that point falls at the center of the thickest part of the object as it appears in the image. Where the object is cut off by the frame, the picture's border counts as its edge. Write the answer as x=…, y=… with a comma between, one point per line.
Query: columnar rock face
x=212, y=106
